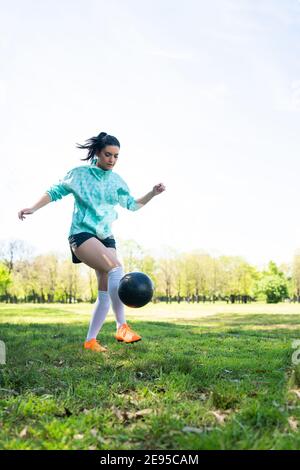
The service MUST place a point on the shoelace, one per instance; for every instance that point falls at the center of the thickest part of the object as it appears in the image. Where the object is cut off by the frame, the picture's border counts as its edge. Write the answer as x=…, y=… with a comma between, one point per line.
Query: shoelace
x=128, y=329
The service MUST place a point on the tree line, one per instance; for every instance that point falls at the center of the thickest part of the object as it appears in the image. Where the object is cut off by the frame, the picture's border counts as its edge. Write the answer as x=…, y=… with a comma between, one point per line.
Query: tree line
x=191, y=277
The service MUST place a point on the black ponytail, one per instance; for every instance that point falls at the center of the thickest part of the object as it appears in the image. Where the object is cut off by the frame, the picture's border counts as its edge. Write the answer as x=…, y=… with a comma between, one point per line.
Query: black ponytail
x=98, y=143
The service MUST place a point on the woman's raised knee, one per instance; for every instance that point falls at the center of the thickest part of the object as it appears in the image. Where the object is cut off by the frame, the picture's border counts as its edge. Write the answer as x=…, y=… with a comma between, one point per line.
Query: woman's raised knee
x=96, y=256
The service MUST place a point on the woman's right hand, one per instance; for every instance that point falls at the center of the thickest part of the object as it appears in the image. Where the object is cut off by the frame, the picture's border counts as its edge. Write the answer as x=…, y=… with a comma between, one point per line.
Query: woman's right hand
x=22, y=212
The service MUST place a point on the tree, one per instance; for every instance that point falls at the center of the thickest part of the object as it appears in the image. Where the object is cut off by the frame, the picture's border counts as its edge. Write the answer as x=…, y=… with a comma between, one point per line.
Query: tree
x=13, y=250
x=178, y=266
x=165, y=278
x=273, y=284
x=296, y=276
x=202, y=266
x=217, y=278
x=188, y=274
x=70, y=281
x=132, y=254
x=5, y=279
x=238, y=278
x=93, y=285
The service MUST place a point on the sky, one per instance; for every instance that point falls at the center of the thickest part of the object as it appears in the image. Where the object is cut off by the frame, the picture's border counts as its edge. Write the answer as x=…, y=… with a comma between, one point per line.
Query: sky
x=203, y=96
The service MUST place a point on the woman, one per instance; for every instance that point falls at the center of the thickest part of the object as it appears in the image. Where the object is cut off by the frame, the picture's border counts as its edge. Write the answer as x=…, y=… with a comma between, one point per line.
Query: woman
x=96, y=190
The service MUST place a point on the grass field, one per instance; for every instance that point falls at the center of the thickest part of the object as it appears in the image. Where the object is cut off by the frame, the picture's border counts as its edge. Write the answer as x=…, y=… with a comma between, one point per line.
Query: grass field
x=204, y=377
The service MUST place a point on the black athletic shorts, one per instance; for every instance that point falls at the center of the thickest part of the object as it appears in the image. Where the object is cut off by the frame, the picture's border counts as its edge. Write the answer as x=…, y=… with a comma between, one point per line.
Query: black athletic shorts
x=77, y=239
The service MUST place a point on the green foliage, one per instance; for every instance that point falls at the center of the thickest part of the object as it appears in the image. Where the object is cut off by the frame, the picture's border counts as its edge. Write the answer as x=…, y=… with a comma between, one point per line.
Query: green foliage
x=5, y=278
x=273, y=284
x=295, y=278
x=274, y=288
x=194, y=275
x=239, y=277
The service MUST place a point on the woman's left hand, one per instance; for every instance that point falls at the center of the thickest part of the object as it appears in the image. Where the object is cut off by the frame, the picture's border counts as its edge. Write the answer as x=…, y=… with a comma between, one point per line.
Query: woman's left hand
x=158, y=189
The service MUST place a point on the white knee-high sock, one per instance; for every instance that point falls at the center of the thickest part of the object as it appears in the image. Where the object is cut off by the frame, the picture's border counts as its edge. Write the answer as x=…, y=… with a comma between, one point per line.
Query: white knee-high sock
x=114, y=277
x=99, y=314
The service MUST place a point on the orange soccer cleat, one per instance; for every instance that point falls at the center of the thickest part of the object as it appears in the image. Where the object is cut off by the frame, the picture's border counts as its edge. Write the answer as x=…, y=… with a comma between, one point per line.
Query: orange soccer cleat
x=94, y=345
x=126, y=334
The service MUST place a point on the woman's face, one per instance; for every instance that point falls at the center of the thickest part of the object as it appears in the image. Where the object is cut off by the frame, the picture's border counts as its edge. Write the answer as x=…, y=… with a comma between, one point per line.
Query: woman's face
x=107, y=157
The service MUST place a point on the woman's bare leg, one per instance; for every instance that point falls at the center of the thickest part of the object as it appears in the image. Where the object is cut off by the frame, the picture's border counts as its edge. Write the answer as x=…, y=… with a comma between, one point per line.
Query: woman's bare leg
x=117, y=305
x=102, y=304
x=94, y=254
x=102, y=277
x=104, y=260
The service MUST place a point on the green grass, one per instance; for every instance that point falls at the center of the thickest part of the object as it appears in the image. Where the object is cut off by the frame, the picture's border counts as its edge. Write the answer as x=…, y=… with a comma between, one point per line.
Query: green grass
x=204, y=377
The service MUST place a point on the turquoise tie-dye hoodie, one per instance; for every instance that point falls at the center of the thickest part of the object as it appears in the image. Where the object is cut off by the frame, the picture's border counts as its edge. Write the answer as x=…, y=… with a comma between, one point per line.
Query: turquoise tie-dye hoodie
x=96, y=192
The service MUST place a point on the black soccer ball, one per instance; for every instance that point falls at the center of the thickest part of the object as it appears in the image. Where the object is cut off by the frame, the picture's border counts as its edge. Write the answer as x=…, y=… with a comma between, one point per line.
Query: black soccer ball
x=135, y=289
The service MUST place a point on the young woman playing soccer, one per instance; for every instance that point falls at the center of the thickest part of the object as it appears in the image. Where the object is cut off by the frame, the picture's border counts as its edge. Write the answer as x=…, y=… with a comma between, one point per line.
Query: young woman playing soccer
x=97, y=189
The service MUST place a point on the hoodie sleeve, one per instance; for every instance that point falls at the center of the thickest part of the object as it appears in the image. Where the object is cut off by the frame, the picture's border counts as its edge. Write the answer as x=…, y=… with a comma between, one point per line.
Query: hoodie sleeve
x=62, y=188
x=125, y=199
